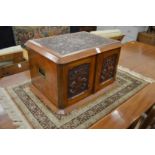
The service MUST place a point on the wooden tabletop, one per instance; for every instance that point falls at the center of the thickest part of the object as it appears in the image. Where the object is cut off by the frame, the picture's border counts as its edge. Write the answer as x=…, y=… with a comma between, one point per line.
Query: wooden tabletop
x=140, y=58
x=136, y=56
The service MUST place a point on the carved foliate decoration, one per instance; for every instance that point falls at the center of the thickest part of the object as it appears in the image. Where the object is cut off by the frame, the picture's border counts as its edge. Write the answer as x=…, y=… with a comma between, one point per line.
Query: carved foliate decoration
x=78, y=78
x=108, y=68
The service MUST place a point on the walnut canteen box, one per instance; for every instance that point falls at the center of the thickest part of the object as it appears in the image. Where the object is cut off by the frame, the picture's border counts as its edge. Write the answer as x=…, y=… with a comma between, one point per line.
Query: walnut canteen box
x=66, y=69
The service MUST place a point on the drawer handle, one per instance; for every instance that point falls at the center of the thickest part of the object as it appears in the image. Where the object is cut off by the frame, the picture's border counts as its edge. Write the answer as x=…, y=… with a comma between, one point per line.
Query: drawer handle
x=42, y=72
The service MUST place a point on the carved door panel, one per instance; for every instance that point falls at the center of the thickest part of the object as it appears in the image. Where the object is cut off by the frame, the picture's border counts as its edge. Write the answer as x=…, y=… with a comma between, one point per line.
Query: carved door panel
x=78, y=80
x=106, y=65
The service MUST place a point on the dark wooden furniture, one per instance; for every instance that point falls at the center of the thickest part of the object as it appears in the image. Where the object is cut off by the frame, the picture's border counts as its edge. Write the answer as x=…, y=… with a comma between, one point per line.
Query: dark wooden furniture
x=71, y=67
x=151, y=29
x=82, y=28
x=149, y=122
x=146, y=120
x=12, y=64
x=146, y=37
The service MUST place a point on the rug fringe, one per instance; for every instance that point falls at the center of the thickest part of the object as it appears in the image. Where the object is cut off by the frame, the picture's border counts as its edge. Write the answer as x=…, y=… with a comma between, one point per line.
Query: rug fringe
x=147, y=79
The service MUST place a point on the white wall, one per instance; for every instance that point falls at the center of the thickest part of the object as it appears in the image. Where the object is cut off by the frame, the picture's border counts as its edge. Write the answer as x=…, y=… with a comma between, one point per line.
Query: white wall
x=130, y=32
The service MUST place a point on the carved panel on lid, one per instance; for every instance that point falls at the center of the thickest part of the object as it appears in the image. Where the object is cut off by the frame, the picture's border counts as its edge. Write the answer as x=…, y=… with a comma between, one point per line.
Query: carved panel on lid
x=78, y=78
x=108, y=68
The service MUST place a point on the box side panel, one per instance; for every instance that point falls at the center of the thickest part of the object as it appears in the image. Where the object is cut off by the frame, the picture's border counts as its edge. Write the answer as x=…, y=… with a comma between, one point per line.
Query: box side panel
x=44, y=75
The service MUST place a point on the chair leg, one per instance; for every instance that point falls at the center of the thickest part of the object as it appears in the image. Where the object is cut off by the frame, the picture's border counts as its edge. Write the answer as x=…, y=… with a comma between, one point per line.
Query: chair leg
x=149, y=123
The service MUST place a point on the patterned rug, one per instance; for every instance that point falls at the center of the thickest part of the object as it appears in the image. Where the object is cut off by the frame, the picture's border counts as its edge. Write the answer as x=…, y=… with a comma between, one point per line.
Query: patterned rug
x=39, y=116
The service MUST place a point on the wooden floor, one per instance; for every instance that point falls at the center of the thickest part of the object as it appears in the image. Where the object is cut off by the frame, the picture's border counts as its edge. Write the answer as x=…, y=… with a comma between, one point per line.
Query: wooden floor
x=136, y=56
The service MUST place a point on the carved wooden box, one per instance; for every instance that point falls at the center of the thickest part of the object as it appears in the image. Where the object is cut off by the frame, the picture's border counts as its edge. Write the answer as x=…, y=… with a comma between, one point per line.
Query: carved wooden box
x=65, y=69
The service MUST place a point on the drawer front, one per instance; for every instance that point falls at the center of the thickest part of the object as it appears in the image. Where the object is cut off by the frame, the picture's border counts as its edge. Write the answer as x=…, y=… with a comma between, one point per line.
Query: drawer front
x=15, y=57
x=78, y=80
x=14, y=68
x=106, y=66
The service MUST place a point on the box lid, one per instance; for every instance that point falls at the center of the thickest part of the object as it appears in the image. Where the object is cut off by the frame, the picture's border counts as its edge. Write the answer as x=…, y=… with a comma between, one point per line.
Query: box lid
x=70, y=47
